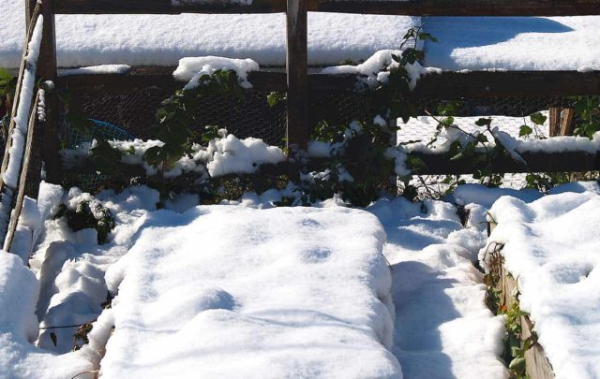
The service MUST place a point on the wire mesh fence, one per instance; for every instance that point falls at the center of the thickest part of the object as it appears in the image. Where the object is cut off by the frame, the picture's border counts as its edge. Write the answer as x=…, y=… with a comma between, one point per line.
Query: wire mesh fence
x=132, y=115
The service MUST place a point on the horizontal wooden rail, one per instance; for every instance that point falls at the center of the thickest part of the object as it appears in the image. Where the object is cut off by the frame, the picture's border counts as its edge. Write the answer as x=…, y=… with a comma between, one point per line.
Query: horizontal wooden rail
x=435, y=164
x=570, y=161
x=389, y=7
x=448, y=85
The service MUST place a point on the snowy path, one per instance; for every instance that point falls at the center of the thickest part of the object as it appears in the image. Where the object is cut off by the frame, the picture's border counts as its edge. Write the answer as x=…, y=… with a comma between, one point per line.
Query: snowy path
x=443, y=328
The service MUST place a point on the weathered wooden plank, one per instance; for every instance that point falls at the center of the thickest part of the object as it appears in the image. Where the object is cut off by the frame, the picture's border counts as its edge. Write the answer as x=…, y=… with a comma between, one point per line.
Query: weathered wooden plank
x=536, y=362
x=574, y=161
x=391, y=7
x=47, y=70
x=297, y=73
x=464, y=7
x=561, y=121
x=554, y=121
x=17, y=98
x=448, y=85
x=566, y=121
x=14, y=217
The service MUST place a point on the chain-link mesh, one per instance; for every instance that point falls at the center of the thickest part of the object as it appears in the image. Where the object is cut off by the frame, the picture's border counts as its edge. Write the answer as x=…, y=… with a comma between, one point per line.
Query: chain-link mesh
x=250, y=116
x=132, y=115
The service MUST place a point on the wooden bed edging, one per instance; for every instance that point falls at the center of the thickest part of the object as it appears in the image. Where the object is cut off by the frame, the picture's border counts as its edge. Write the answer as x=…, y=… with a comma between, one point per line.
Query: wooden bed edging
x=537, y=365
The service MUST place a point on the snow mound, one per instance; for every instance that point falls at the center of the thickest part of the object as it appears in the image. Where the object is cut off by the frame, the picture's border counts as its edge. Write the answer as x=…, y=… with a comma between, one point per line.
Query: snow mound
x=552, y=247
x=191, y=69
x=224, y=291
x=19, y=358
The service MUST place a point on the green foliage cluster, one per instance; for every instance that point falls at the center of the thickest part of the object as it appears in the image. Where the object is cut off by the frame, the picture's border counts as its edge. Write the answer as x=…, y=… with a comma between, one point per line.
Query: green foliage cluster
x=88, y=215
x=587, y=116
x=357, y=152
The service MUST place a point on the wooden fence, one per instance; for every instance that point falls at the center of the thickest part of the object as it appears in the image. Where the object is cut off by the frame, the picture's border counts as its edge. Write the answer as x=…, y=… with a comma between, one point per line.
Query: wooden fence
x=299, y=81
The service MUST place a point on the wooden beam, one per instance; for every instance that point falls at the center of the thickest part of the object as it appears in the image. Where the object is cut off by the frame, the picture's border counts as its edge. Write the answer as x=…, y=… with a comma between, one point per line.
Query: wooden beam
x=464, y=7
x=23, y=178
x=17, y=98
x=297, y=74
x=448, y=85
x=577, y=161
x=566, y=121
x=47, y=70
x=554, y=121
x=388, y=7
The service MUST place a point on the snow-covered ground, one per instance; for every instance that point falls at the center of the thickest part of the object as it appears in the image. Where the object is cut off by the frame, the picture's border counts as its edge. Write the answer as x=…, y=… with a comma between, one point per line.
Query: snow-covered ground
x=479, y=43
x=241, y=289
x=227, y=291
x=443, y=328
x=551, y=247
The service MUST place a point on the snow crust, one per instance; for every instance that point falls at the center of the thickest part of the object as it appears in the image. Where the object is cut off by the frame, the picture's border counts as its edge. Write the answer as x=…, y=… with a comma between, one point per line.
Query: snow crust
x=552, y=248
x=192, y=69
x=281, y=299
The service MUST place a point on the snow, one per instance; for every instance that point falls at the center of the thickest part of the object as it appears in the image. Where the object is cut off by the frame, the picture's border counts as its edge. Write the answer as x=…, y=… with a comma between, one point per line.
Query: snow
x=192, y=69
x=281, y=299
x=514, y=43
x=474, y=43
x=224, y=155
x=89, y=40
x=21, y=119
x=96, y=70
x=484, y=196
x=19, y=358
x=374, y=69
x=551, y=246
x=551, y=145
x=443, y=327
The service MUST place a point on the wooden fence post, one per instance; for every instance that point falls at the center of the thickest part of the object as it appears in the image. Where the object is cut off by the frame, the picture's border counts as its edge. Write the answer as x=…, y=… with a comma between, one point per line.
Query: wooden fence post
x=297, y=75
x=48, y=71
x=561, y=121
x=29, y=7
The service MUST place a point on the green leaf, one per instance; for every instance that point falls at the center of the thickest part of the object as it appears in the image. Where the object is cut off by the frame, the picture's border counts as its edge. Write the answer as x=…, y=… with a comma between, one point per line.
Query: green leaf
x=525, y=131
x=427, y=37
x=483, y=122
x=538, y=118
x=517, y=364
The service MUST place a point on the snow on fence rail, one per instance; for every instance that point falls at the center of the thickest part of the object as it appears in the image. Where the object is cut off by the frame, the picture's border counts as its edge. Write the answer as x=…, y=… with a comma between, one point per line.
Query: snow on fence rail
x=24, y=115
x=299, y=84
